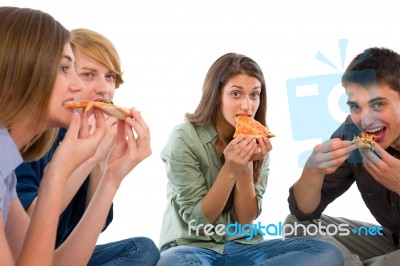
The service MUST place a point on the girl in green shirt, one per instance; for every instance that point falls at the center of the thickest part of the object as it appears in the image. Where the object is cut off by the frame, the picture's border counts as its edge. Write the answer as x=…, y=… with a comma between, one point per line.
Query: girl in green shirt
x=216, y=182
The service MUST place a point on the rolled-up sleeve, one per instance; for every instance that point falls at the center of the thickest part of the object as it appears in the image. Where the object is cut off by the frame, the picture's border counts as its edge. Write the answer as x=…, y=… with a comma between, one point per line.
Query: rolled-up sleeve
x=334, y=185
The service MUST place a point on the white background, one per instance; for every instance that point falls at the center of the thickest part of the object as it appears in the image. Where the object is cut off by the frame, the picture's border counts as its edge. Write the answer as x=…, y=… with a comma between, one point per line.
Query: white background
x=166, y=48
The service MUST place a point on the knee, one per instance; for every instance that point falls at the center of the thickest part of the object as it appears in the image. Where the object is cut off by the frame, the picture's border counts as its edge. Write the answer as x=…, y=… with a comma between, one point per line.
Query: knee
x=329, y=252
x=290, y=219
x=148, y=248
x=168, y=257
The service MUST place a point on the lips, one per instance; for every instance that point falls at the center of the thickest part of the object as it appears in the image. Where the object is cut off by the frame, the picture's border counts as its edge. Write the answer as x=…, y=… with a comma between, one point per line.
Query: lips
x=378, y=132
x=65, y=103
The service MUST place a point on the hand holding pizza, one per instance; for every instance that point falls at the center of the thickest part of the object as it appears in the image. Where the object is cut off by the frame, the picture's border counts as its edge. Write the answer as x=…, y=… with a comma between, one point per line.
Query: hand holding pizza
x=263, y=147
x=383, y=167
x=249, y=127
x=128, y=150
x=238, y=153
x=329, y=155
x=78, y=145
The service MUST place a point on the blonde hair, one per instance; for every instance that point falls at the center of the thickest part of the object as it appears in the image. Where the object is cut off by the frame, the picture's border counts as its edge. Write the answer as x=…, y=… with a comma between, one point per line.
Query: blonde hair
x=31, y=48
x=99, y=48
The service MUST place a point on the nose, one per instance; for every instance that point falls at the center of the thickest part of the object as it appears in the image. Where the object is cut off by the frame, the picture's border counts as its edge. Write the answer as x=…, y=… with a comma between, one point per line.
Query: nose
x=246, y=104
x=368, y=118
x=76, y=83
x=102, y=87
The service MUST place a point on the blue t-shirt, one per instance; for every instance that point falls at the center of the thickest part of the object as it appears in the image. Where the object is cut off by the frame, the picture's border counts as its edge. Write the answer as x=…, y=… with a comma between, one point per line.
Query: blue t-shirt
x=29, y=176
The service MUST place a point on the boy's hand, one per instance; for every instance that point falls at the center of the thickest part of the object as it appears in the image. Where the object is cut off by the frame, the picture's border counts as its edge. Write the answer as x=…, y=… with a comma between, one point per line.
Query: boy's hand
x=383, y=167
x=329, y=155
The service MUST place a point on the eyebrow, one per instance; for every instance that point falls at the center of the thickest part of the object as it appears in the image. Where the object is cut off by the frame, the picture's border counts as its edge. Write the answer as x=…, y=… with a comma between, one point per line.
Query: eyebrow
x=374, y=100
x=240, y=87
x=68, y=58
x=88, y=68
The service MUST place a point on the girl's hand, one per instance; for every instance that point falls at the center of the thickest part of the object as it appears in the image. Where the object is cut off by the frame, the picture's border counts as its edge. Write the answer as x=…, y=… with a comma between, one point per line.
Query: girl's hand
x=78, y=145
x=239, y=152
x=263, y=147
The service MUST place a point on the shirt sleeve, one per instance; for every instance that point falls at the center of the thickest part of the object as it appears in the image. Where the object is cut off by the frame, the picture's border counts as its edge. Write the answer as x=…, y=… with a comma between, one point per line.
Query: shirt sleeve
x=27, y=182
x=334, y=184
x=261, y=186
x=185, y=176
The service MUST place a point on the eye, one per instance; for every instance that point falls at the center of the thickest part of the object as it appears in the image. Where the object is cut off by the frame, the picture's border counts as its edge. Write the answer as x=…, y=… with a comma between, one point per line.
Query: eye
x=64, y=68
x=354, y=108
x=236, y=94
x=377, y=106
x=111, y=76
x=86, y=75
x=255, y=95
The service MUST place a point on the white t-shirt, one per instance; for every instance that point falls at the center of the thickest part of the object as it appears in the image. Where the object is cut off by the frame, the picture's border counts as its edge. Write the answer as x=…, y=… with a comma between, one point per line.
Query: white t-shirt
x=10, y=158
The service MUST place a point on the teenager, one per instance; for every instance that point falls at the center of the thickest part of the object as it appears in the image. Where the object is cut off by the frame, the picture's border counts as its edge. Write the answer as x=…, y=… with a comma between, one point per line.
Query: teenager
x=372, y=86
x=37, y=80
x=98, y=66
x=215, y=181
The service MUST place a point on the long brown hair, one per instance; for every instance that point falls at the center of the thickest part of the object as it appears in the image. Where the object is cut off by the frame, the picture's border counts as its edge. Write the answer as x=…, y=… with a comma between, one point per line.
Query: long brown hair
x=223, y=69
x=31, y=48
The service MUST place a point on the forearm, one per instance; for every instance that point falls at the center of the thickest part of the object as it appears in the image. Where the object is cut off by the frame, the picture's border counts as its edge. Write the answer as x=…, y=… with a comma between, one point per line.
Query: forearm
x=72, y=185
x=245, y=200
x=82, y=240
x=216, y=198
x=75, y=181
x=41, y=234
x=307, y=190
x=95, y=177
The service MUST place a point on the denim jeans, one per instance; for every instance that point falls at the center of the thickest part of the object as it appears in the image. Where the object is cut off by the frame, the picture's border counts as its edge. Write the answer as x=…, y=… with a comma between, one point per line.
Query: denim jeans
x=299, y=251
x=357, y=249
x=131, y=251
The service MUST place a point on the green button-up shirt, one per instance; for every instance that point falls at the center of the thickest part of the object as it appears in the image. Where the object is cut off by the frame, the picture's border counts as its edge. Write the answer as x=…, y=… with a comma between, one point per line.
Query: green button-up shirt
x=192, y=165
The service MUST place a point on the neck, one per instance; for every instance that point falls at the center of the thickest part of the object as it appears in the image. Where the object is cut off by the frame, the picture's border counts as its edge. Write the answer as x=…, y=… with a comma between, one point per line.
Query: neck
x=22, y=133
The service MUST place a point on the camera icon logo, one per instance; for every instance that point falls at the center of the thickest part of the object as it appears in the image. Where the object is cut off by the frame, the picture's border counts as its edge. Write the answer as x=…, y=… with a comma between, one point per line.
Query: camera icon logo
x=317, y=104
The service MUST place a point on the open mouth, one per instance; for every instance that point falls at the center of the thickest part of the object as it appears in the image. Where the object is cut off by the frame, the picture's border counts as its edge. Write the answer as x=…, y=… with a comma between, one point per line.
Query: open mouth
x=378, y=132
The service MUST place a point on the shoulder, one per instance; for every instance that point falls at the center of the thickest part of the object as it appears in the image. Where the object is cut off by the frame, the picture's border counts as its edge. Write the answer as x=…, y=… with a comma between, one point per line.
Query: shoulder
x=189, y=132
x=188, y=136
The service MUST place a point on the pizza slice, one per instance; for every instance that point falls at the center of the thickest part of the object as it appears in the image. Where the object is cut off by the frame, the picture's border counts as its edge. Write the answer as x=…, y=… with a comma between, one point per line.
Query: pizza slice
x=364, y=140
x=107, y=107
x=248, y=126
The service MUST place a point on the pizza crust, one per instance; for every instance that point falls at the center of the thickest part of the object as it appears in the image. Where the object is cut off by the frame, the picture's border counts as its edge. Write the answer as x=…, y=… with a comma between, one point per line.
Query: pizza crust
x=108, y=108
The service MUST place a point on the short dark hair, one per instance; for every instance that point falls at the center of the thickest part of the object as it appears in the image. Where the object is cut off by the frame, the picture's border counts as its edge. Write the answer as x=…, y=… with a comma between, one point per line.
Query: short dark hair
x=374, y=66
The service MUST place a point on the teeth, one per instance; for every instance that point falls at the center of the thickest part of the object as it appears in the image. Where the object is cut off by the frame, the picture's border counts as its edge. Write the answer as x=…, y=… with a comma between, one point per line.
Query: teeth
x=374, y=129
